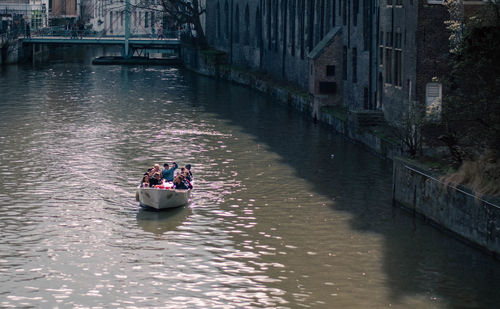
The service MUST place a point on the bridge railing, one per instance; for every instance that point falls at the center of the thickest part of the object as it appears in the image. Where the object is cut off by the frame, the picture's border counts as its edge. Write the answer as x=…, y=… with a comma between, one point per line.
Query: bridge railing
x=61, y=31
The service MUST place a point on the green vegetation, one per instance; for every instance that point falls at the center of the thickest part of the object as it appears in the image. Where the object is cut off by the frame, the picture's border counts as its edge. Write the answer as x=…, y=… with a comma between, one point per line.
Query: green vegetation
x=471, y=105
x=339, y=112
x=386, y=133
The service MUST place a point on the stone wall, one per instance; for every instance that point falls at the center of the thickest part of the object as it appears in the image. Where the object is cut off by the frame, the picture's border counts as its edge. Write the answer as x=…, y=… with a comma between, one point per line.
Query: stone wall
x=474, y=219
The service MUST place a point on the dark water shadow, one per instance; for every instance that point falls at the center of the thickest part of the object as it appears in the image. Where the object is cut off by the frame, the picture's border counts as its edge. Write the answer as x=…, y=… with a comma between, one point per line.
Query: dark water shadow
x=160, y=222
x=418, y=259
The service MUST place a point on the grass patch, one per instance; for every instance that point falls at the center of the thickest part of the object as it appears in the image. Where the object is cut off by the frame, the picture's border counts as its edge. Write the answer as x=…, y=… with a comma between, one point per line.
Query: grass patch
x=339, y=112
x=385, y=133
x=481, y=175
x=441, y=166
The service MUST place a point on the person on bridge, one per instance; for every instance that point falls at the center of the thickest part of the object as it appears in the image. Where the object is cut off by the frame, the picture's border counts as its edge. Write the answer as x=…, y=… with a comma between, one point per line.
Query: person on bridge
x=81, y=29
x=68, y=29
x=74, y=34
x=28, y=30
x=160, y=32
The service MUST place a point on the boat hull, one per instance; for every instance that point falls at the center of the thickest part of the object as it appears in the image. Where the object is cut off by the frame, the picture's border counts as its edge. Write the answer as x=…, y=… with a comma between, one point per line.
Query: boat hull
x=161, y=198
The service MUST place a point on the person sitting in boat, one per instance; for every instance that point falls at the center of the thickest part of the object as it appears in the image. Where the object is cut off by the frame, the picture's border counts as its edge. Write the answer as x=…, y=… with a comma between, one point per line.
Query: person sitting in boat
x=180, y=183
x=145, y=180
x=189, y=175
x=154, y=170
x=156, y=180
x=168, y=173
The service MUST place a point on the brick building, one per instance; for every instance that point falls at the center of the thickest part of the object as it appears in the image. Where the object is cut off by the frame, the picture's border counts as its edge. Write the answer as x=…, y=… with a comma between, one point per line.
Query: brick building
x=413, y=48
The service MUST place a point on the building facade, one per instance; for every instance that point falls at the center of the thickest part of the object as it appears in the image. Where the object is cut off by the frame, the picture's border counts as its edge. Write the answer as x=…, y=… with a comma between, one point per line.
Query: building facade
x=146, y=17
x=389, y=54
x=15, y=14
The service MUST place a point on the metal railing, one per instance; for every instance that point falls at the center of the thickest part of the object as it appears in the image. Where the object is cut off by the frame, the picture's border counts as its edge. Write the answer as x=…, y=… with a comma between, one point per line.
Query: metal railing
x=62, y=31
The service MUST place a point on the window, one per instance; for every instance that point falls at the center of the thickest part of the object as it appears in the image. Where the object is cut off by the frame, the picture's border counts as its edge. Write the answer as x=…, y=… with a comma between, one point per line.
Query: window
x=388, y=66
x=226, y=13
x=327, y=87
x=355, y=10
x=237, y=25
x=388, y=39
x=334, y=4
x=366, y=102
x=246, y=37
x=389, y=2
x=344, y=63
x=433, y=99
x=381, y=48
x=310, y=26
x=367, y=21
x=344, y=12
x=152, y=19
x=146, y=19
x=398, y=66
x=258, y=27
x=302, y=28
x=388, y=57
x=354, y=65
x=217, y=21
x=330, y=70
x=292, y=27
x=275, y=25
x=121, y=18
x=268, y=23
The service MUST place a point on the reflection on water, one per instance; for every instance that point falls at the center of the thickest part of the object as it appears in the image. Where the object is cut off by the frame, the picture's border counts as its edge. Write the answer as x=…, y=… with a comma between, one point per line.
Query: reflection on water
x=160, y=222
x=275, y=219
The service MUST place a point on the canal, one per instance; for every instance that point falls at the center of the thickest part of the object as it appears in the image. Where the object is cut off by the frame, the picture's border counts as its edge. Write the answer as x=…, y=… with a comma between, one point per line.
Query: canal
x=285, y=213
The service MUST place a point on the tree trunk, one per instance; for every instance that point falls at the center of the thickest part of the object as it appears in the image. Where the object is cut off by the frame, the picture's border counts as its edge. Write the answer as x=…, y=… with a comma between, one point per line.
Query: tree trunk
x=200, y=34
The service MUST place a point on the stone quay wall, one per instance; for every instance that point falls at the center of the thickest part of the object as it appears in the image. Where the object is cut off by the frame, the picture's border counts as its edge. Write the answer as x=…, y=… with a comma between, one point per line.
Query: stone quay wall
x=456, y=209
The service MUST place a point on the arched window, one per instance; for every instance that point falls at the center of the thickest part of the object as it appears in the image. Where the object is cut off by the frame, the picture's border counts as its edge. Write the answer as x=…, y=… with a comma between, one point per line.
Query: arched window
x=247, y=26
x=237, y=24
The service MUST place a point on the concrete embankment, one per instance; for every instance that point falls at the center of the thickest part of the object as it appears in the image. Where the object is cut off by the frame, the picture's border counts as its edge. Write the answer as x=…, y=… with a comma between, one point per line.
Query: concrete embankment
x=453, y=208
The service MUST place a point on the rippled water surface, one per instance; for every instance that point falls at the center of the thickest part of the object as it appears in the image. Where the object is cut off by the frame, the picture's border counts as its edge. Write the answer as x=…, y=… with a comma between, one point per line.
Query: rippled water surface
x=284, y=213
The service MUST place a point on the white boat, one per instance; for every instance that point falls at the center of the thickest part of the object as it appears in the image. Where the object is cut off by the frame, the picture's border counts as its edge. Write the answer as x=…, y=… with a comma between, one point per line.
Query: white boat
x=159, y=198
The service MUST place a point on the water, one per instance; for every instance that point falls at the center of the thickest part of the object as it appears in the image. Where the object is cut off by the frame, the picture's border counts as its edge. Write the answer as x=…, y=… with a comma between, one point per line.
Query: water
x=276, y=221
